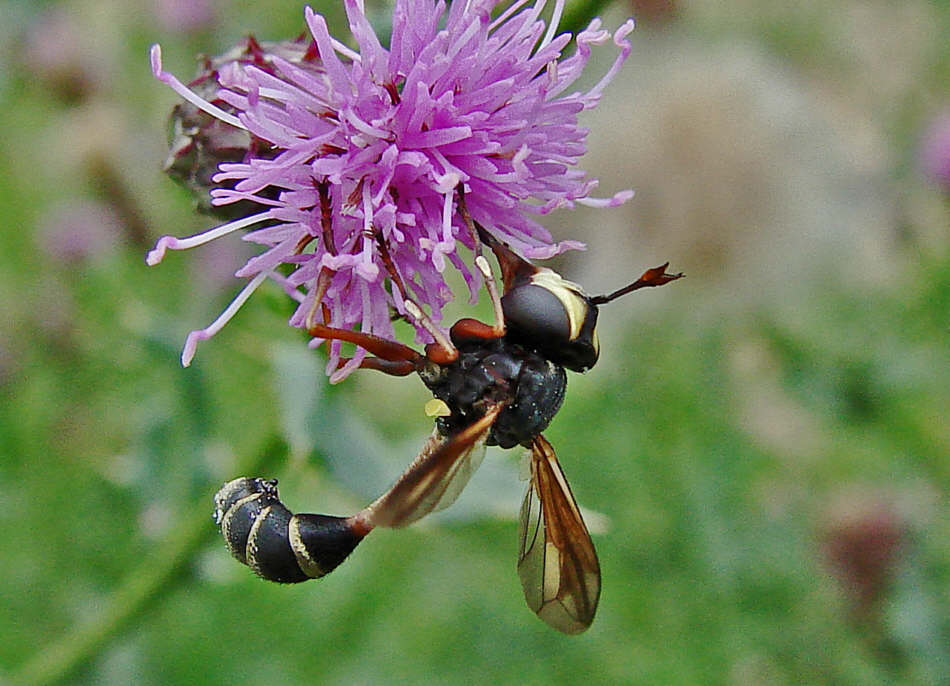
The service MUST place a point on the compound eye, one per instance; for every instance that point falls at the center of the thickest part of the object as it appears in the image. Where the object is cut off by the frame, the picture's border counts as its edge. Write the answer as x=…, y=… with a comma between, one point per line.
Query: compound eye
x=553, y=316
x=536, y=314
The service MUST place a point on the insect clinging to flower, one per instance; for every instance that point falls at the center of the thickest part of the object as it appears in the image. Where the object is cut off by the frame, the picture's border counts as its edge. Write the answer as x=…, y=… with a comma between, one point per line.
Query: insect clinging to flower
x=366, y=169
x=494, y=384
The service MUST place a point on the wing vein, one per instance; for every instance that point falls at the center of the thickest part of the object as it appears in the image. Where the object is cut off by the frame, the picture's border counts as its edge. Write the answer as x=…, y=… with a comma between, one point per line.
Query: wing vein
x=561, y=577
x=437, y=476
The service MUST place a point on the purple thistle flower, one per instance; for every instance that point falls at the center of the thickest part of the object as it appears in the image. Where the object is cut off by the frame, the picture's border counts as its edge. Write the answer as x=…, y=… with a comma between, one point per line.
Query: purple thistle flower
x=184, y=15
x=369, y=150
x=79, y=231
x=935, y=151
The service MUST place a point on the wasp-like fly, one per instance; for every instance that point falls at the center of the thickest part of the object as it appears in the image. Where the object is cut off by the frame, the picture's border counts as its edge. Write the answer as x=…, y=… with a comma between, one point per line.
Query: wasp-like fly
x=498, y=384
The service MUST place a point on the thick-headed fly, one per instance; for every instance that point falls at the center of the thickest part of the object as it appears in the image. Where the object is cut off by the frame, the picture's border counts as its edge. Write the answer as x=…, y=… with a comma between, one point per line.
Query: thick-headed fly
x=498, y=384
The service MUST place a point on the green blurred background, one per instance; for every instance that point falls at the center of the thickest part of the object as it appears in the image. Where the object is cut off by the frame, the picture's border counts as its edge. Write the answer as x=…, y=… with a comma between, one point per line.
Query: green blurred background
x=764, y=448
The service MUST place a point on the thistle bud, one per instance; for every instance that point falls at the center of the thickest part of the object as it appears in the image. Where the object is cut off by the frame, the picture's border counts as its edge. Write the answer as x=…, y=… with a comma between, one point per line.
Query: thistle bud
x=864, y=540
x=199, y=142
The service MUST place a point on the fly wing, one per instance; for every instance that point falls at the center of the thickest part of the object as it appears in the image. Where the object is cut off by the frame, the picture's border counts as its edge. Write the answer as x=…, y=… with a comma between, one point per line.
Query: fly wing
x=435, y=478
x=557, y=562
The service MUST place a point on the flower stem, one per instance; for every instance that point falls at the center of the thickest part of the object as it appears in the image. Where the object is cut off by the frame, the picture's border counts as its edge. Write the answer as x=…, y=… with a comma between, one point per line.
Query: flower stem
x=153, y=580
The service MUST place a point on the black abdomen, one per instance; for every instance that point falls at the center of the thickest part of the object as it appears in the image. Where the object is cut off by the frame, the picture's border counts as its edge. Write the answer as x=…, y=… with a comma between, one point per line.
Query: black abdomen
x=277, y=544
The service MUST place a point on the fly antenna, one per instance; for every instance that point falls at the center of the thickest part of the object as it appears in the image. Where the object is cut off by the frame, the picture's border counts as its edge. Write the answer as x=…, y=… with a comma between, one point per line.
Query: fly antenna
x=651, y=277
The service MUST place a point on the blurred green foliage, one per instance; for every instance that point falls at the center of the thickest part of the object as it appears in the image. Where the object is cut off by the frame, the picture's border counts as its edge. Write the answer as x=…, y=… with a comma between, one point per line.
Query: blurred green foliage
x=775, y=486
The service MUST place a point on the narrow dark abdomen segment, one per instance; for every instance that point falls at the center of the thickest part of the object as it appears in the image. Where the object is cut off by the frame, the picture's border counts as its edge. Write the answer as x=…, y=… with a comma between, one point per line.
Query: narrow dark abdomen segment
x=321, y=542
x=277, y=544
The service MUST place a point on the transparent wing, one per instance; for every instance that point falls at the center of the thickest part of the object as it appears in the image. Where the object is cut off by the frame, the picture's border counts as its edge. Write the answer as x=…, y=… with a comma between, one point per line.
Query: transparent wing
x=435, y=478
x=557, y=562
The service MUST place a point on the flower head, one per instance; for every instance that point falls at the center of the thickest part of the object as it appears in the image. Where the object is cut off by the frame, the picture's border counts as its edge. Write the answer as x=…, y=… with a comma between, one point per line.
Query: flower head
x=184, y=15
x=79, y=231
x=935, y=151
x=68, y=60
x=369, y=151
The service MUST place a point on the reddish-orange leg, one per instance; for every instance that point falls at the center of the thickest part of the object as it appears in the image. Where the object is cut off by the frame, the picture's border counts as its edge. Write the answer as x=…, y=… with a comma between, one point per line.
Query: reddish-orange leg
x=397, y=359
x=391, y=357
